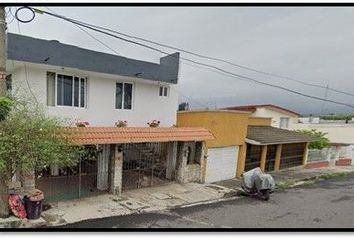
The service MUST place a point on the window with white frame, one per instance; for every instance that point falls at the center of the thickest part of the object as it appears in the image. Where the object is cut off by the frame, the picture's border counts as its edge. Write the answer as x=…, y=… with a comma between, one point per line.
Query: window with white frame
x=124, y=96
x=164, y=91
x=66, y=90
x=284, y=122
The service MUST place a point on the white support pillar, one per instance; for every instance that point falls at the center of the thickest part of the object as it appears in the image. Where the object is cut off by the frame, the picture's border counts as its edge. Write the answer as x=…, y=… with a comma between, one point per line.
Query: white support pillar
x=171, y=160
x=102, y=167
x=117, y=171
x=182, y=163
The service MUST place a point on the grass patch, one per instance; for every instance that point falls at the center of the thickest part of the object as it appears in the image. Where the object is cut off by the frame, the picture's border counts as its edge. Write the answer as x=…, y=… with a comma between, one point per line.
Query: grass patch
x=336, y=175
x=281, y=185
x=284, y=184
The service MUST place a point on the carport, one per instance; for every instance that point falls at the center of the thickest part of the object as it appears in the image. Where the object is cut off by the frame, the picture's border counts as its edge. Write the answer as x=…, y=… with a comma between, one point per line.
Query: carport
x=273, y=148
x=127, y=158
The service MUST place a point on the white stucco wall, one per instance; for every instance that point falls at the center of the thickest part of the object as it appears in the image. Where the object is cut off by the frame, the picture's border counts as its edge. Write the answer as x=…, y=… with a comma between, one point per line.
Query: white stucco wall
x=337, y=133
x=100, y=110
x=268, y=113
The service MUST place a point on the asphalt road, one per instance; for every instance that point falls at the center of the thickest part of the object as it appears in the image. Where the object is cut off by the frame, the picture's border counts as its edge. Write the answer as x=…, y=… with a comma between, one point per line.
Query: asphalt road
x=326, y=204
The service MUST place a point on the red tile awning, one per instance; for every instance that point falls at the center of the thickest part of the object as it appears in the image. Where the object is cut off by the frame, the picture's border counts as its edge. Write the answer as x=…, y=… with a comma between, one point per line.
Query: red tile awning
x=114, y=135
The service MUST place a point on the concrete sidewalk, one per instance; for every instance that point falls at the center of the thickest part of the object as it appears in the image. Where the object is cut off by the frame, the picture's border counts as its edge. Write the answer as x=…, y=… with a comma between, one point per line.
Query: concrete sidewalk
x=134, y=201
x=172, y=195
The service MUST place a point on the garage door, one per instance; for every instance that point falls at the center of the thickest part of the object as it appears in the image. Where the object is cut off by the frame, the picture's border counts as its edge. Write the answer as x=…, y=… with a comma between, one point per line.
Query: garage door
x=221, y=164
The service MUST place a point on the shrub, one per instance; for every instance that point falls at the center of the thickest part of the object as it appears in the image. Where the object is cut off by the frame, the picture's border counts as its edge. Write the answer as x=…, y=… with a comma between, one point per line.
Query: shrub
x=5, y=107
x=321, y=140
x=30, y=141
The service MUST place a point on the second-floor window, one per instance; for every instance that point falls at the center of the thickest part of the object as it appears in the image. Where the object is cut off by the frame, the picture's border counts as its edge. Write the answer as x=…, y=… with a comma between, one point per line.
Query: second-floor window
x=164, y=91
x=284, y=122
x=124, y=95
x=69, y=90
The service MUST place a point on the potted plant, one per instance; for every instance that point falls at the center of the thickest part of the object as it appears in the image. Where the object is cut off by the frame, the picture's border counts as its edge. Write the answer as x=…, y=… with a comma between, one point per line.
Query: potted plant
x=154, y=123
x=82, y=124
x=121, y=123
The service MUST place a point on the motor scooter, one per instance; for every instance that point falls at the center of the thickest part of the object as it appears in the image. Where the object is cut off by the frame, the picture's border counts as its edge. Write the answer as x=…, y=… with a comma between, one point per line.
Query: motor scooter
x=257, y=184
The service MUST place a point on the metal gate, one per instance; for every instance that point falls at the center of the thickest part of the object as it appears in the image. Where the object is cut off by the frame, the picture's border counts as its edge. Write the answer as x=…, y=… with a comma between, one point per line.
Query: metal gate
x=67, y=183
x=292, y=155
x=144, y=165
x=253, y=157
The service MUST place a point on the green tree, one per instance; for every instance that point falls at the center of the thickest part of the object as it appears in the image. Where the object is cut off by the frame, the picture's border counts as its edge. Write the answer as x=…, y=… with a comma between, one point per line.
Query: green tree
x=321, y=140
x=31, y=140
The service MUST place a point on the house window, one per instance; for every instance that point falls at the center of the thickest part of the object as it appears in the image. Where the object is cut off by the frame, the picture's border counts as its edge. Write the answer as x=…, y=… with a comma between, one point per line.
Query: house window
x=70, y=90
x=124, y=96
x=284, y=122
x=164, y=91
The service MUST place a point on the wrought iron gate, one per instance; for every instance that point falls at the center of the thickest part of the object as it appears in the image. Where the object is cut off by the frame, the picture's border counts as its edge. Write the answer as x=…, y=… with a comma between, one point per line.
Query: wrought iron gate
x=67, y=183
x=144, y=165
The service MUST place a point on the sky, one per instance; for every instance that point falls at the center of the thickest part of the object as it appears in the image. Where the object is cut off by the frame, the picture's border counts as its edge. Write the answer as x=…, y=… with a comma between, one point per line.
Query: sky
x=311, y=44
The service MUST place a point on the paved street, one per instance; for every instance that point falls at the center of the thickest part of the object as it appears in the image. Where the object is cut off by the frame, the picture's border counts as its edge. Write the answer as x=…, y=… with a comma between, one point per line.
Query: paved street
x=325, y=204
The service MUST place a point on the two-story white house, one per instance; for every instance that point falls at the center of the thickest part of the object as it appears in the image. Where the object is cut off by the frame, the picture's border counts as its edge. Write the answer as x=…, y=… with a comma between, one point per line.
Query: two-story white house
x=85, y=85
x=281, y=117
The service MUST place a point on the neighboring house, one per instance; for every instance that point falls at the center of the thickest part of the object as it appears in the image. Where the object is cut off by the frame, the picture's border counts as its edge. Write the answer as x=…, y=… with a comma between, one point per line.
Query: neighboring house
x=281, y=117
x=243, y=142
x=340, y=134
x=86, y=85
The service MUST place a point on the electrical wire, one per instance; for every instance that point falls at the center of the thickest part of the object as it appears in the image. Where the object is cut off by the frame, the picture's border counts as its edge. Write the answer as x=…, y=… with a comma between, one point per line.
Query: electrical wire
x=24, y=64
x=238, y=76
x=89, y=34
x=216, y=59
x=173, y=89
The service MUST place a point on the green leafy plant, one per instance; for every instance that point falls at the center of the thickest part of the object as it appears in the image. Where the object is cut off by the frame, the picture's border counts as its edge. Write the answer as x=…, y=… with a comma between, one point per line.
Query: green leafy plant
x=31, y=140
x=5, y=107
x=321, y=140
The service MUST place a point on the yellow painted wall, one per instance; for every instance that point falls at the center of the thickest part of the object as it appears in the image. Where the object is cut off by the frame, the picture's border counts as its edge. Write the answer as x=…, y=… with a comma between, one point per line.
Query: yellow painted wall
x=228, y=127
x=259, y=121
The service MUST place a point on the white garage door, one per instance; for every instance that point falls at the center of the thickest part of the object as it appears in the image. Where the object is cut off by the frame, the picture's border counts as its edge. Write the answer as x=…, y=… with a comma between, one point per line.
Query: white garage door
x=221, y=164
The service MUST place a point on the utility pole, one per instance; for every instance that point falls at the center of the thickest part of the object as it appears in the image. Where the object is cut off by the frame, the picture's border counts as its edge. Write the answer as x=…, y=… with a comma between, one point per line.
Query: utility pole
x=2, y=52
x=4, y=206
x=324, y=102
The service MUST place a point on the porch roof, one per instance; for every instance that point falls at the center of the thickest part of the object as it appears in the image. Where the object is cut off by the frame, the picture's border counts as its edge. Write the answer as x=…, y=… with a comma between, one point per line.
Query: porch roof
x=267, y=135
x=114, y=135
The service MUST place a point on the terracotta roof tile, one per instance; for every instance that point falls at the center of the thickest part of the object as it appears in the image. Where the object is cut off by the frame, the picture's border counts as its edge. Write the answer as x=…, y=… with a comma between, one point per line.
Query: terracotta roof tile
x=113, y=135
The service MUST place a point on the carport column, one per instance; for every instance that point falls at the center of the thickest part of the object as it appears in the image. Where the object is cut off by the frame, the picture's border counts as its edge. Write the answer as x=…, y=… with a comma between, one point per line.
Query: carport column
x=263, y=157
x=306, y=153
x=241, y=160
x=203, y=162
x=182, y=162
x=171, y=160
x=117, y=171
x=277, y=157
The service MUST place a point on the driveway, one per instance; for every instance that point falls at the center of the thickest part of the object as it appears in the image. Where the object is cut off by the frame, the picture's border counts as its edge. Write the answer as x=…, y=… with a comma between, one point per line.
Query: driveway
x=326, y=204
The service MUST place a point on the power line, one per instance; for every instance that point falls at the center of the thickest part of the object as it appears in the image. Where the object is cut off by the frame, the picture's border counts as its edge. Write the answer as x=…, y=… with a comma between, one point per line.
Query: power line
x=107, y=46
x=93, y=37
x=239, y=76
x=24, y=64
x=216, y=59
